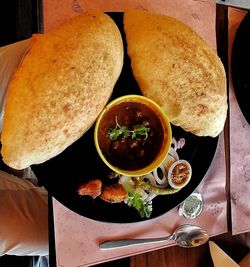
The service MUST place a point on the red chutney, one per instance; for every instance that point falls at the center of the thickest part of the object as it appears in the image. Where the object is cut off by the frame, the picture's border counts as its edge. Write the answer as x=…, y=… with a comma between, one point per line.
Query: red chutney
x=131, y=152
x=180, y=174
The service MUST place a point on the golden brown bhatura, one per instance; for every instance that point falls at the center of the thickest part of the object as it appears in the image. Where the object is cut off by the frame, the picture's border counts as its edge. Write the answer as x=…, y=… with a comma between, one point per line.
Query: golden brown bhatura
x=60, y=87
x=177, y=69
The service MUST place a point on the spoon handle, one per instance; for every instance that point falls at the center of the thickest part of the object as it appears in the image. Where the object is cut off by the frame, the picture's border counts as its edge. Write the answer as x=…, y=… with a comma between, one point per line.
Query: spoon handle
x=131, y=242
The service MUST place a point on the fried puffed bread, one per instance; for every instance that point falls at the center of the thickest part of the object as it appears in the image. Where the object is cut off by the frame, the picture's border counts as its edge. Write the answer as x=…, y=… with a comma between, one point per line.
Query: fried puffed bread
x=60, y=87
x=177, y=69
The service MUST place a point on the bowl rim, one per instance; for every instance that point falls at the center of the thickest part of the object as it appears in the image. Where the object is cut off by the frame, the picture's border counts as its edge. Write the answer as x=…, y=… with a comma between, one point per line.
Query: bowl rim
x=171, y=170
x=164, y=120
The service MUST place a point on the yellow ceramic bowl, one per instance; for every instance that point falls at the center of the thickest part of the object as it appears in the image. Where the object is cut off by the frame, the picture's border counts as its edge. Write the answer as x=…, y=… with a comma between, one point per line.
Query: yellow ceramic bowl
x=165, y=145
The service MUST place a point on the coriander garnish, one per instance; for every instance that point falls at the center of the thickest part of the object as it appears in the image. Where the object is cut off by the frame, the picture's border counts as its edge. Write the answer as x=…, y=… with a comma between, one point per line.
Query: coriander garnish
x=124, y=132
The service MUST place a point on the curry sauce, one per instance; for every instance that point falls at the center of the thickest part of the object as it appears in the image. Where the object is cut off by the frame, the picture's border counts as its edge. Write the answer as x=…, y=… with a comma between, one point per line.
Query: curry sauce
x=130, y=135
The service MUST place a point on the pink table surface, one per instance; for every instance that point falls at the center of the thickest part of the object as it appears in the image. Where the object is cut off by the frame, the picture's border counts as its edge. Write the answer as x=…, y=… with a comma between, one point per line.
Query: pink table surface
x=77, y=237
x=239, y=147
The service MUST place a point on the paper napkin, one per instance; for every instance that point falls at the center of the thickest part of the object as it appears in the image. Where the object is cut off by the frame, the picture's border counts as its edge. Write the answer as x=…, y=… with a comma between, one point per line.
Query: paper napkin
x=220, y=258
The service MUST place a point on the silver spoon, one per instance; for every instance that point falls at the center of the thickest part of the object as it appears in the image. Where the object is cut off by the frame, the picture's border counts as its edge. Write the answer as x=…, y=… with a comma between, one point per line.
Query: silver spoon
x=186, y=236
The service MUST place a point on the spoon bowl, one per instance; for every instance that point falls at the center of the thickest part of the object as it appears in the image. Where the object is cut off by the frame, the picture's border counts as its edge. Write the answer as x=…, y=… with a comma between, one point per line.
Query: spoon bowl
x=189, y=236
x=186, y=236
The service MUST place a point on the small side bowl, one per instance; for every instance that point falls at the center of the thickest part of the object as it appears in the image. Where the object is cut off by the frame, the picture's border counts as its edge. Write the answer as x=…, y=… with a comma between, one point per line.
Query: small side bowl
x=187, y=178
x=167, y=135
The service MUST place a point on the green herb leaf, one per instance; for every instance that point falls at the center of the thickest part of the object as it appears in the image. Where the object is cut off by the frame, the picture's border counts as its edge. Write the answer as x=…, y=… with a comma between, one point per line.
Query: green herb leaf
x=143, y=207
x=140, y=129
x=114, y=133
x=124, y=132
x=133, y=136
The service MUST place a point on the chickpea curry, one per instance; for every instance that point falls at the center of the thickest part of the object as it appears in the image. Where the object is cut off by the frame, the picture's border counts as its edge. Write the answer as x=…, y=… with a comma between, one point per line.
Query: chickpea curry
x=130, y=135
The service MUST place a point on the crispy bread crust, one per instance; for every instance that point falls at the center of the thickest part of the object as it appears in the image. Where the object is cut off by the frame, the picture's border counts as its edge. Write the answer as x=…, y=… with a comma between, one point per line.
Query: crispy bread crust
x=176, y=68
x=60, y=87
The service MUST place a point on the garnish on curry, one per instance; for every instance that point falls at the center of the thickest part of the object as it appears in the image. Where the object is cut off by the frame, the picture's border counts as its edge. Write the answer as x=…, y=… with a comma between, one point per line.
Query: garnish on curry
x=130, y=135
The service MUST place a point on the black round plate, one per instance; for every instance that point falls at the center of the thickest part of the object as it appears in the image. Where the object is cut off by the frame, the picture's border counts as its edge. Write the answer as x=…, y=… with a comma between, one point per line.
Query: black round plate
x=80, y=162
x=241, y=66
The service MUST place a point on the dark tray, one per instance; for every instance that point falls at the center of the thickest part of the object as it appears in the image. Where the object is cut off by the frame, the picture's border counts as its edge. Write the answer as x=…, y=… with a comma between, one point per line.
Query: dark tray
x=80, y=162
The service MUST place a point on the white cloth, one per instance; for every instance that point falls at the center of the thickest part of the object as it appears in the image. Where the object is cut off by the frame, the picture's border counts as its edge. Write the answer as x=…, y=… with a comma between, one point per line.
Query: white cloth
x=23, y=207
x=23, y=217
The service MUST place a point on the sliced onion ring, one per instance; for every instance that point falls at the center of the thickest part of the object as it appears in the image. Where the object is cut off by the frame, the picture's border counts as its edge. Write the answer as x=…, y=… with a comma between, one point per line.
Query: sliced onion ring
x=160, y=181
x=173, y=153
x=174, y=142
